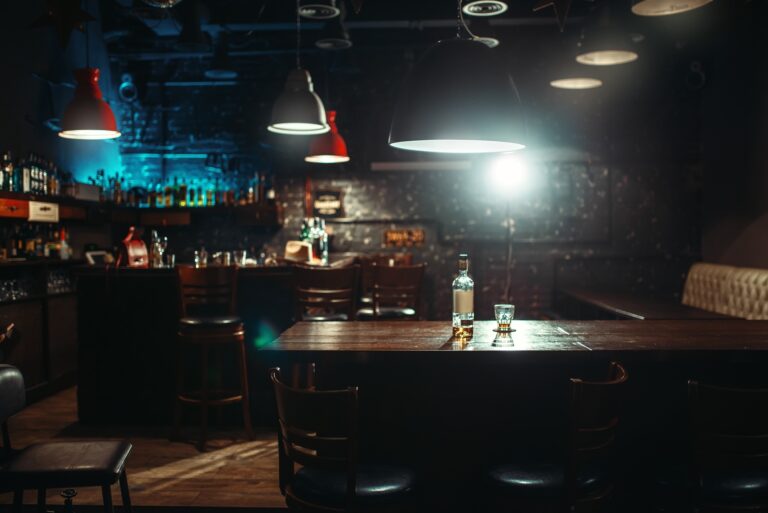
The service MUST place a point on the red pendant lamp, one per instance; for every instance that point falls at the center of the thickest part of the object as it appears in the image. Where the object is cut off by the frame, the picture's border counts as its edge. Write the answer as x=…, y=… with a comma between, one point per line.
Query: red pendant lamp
x=330, y=147
x=88, y=116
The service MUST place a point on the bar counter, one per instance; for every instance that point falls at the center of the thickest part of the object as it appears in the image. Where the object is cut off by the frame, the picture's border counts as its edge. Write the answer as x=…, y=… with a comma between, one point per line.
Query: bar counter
x=127, y=348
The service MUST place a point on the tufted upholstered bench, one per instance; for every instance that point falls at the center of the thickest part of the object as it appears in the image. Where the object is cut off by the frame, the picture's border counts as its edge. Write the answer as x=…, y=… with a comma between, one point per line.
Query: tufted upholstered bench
x=736, y=291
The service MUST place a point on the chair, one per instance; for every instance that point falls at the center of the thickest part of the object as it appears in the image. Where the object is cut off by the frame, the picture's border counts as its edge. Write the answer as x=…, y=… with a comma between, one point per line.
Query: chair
x=207, y=297
x=377, y=259
x=319, y=431
x=395, y=292
x=583, y=480
x=323, y=294
x=729, y=434
x=56, y=464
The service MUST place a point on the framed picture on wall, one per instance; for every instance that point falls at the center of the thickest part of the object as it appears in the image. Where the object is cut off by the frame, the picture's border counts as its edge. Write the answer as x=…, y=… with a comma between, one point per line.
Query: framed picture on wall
x=328, y=203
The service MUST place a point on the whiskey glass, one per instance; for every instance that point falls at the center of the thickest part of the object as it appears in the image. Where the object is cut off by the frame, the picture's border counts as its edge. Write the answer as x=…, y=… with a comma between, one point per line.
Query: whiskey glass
x=504, y=315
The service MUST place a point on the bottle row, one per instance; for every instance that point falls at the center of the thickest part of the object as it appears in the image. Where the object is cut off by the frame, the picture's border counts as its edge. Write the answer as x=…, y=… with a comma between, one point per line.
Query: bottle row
x=31, y=240
x=180, y=192
x=31, y=175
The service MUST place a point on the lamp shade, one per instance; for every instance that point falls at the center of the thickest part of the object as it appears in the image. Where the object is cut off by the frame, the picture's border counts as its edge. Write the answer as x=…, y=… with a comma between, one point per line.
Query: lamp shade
x=330, y=147
x=88, y=116
x=298, y=110
x=666, y=7
x=457, y=99
x=605, y=46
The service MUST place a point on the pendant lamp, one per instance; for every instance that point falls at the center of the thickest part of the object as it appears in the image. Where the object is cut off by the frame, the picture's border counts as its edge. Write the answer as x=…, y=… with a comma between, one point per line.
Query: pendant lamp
x=571, y=75
x=88, y=116
x=603, y=44
x=330, y=147
x=666, y=7
x=221, y=66
x=298, y=110
x=457, y=99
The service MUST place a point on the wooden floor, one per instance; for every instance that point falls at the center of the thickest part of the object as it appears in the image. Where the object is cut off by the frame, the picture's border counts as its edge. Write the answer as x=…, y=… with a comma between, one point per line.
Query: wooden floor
x=233, y=473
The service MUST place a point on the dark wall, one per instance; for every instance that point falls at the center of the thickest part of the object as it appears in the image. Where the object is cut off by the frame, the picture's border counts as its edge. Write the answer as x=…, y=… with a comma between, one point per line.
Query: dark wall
x=735, y=114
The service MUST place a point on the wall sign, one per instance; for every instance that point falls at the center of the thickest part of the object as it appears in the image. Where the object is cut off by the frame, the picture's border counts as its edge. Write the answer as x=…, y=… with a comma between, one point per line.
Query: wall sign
x=404, y=238
x=328, y=203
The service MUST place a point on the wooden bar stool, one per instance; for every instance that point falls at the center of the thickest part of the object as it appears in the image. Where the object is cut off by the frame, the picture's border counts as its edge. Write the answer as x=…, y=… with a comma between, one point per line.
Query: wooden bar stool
x=583, y=480
x=325, y=294
x=56, y=464
x=318, y=430
x=209, y=322
x=395, y=292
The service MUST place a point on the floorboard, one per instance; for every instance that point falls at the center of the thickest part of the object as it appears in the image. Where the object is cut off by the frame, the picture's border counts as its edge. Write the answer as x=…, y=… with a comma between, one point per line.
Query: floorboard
x=233, y=473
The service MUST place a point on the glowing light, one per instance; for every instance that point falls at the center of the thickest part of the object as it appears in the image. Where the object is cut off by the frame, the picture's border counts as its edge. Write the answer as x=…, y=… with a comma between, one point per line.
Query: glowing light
x=298, y=128
x=508, y=174
x=89, y=135
x=576, y=83
x=666, y=7
x=458, y=146
x=607, y=57
x=485, y=8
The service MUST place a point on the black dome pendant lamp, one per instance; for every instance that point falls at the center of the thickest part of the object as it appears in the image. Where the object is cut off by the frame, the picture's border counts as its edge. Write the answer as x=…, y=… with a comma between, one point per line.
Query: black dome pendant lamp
x=298, y=110
x=458, y=99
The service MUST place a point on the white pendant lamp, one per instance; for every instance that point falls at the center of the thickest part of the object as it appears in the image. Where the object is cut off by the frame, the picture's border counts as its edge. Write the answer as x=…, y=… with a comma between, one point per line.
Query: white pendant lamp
x=603, y=44
x=458, y=99
x=298, y=110
x=666, y=7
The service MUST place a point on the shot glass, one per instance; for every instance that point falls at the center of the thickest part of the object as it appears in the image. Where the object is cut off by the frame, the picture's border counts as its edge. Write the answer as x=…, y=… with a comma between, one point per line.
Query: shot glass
x=170, y=260
x=504, y=316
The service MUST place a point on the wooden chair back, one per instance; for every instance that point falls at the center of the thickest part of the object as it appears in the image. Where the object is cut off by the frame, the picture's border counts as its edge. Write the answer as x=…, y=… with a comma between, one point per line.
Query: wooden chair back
x=12, y=400
x=367, y=262
x=592, y=433
x=317, y=429
x=729, y=426
x=325, y=288
x=207, y=290
x=397, y=287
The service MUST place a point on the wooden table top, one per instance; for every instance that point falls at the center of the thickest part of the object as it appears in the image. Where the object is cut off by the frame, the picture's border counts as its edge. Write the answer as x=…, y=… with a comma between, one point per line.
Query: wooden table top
x=530, y=336
x=636, y=307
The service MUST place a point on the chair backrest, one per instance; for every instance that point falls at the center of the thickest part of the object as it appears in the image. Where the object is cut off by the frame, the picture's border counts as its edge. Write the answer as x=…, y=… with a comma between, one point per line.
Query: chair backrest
x=592, y=432
x=397, y=286
x=325, y=288
x=367, y=262
x=12, y=399
x=207, y=290
x=318, y=429
x=729, y=426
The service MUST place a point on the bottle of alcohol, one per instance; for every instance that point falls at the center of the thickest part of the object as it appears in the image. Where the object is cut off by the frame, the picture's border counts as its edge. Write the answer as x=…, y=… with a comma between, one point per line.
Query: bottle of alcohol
x=176, y=197
x=168, y=195
x=7, y=171
x=183, y=193
x=463, y=301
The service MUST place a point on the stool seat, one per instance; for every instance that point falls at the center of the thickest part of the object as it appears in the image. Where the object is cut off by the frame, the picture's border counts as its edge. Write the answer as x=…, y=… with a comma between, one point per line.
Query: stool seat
x=218, y=323
x=66, y=464
x=386, y=312
x=543, y=480
x=325, y=317
x=377, y=485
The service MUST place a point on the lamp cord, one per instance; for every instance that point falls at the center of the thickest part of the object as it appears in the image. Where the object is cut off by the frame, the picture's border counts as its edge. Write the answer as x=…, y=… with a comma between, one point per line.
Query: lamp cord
x=298, y=34
x=461, y=22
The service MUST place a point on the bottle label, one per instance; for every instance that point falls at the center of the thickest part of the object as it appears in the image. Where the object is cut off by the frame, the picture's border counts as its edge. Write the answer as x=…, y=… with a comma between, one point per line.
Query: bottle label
x=463, y=301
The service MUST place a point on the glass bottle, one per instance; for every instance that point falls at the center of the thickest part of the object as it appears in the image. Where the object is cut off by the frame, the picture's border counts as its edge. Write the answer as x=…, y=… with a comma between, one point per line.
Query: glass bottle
x=463, y=301
x=183, y=193
x=168, y=195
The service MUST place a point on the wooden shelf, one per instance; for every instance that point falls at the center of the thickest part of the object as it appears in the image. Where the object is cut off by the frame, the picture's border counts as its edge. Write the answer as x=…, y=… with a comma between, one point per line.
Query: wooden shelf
x=16, y=206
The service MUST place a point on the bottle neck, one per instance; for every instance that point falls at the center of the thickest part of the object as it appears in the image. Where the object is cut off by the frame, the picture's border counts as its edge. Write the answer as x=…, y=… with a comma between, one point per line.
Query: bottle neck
x=463, y=267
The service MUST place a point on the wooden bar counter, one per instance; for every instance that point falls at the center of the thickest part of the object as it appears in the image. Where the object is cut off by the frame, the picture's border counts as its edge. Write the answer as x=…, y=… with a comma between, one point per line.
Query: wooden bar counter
x=451, y=409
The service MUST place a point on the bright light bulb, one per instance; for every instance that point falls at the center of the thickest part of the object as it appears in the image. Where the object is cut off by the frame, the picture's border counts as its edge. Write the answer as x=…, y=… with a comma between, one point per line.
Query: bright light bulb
x=508, y=174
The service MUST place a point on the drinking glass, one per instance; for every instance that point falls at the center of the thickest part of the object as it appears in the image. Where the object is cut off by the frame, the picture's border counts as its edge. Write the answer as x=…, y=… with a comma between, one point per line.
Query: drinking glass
x=170, y=260
x=240, y=256
x=504, y=316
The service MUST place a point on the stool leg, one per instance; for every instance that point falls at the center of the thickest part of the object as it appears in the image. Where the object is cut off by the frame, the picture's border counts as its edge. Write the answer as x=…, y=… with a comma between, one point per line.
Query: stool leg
x=244, y=391
x=125, y=492
x=41, y=500
x=203, y=396
x=177, y=413
x=219, y=374
x=106, y=493
x=18, y=501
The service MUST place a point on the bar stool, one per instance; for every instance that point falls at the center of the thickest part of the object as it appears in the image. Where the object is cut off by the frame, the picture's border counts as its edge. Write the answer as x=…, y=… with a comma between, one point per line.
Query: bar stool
x=319, y=431
x=395, y=292
x=584, y=479
x=209, y=321
x=325, y=294
x=729, y=432
x=56, y=464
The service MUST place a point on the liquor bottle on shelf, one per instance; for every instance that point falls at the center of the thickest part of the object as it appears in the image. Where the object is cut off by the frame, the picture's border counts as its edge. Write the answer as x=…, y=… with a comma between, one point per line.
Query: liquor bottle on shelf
x=7, y=171
x=201, y=196
x=168, y=198
x=192, y=194
x=463, y=301
x=182, y=193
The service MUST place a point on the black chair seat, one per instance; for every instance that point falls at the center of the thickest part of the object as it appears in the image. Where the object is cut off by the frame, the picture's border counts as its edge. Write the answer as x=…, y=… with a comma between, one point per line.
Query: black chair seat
x=217, y=323
x=386, y=312
x=376, y=485
x=543, y=480
x=734, y=486
x=66, y=464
